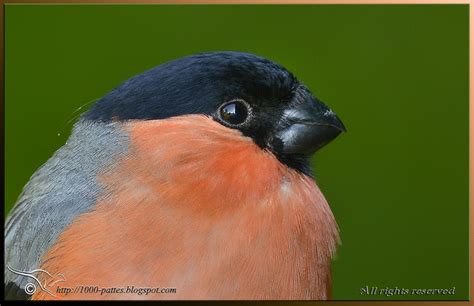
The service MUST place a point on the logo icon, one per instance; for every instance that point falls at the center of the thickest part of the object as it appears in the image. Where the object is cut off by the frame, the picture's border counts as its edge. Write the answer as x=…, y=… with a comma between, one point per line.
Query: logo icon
x=31, y=287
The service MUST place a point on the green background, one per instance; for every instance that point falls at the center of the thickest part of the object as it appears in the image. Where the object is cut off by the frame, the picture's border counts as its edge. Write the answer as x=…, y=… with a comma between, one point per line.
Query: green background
x=397, y=75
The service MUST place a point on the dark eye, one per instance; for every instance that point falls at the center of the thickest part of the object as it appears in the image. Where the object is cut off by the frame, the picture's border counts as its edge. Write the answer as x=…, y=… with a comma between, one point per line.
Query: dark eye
x=234, y=112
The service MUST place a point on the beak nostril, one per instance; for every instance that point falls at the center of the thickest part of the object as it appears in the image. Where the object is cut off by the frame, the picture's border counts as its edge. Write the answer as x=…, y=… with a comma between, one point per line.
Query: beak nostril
x=328, y=113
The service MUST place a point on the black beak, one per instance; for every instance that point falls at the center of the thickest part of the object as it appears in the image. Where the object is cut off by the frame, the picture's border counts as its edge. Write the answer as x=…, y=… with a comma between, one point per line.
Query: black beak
x=306, y=127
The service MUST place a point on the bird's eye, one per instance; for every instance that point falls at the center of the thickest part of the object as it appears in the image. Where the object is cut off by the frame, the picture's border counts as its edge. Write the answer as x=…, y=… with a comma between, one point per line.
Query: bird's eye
x=234, y=112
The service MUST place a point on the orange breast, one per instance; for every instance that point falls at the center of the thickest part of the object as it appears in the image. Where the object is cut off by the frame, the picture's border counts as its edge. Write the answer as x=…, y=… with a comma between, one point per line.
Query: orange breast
x=198, y=207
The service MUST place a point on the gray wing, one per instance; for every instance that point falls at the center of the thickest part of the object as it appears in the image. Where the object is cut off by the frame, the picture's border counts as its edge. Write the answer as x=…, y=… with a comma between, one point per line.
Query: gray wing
x=63, y=188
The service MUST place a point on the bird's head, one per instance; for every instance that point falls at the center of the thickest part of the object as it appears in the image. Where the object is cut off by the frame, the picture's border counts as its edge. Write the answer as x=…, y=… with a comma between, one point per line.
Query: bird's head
x=241, y=91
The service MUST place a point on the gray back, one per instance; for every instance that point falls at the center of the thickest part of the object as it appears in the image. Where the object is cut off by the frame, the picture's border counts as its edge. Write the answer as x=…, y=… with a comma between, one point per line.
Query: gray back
x=63, y=188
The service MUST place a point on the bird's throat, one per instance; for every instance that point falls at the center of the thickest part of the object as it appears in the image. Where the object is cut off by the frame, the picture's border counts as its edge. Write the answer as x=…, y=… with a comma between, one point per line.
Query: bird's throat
x=198, y=207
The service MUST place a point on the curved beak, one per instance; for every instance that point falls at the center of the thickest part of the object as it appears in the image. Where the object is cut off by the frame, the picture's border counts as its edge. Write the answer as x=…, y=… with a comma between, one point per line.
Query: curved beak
x=308, y=126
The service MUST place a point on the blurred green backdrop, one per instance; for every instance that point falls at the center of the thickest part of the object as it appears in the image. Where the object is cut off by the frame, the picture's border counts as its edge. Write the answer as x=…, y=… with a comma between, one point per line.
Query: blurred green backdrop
x=397, y=75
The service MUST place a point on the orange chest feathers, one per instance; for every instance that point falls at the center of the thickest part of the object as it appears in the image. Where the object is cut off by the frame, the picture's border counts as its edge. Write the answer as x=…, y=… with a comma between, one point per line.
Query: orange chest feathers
x=198, y=207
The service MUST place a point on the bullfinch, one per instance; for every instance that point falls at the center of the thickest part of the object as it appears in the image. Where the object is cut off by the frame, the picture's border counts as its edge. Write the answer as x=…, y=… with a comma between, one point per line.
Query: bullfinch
x=189, y=181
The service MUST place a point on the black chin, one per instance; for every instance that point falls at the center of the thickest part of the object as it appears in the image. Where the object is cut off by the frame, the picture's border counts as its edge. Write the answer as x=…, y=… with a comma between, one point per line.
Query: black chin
x=300, y=163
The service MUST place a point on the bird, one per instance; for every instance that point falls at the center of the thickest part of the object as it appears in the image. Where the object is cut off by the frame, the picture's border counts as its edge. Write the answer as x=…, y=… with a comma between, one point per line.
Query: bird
x=189, y=181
